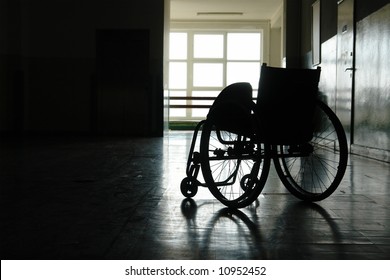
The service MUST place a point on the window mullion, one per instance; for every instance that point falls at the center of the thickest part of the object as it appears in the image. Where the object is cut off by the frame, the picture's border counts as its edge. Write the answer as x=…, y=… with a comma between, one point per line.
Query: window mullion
x=190, y=72
x=225, y=46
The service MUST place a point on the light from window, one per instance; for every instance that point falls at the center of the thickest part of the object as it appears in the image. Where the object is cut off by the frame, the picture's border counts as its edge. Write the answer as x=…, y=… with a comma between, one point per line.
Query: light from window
x=177, y=75
x=205, y=93
x=208, y=74
x=208, y=46
x=177, y=112
x=178, y=45
x=243, y=46
x=199, y=113
x=243, y=72
x=201, y=63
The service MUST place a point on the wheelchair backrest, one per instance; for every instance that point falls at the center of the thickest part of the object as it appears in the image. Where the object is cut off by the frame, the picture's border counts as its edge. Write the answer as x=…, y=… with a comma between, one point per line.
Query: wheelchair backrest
x=285, y=103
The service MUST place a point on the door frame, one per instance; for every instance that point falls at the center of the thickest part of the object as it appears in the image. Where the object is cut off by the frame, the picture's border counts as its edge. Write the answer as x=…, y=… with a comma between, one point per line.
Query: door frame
x=347, y=68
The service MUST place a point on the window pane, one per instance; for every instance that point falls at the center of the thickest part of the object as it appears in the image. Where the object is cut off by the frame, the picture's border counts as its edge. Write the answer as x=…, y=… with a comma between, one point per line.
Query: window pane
x=208, y=46
x=205, y=93
x=202, y=102
x=181, y=102
x=177, y=93
x=178, y=46
x=243, y=46
x=177, y=75
x=175, y=113
x=208, y=74
x=243, y=72
x=200, y=113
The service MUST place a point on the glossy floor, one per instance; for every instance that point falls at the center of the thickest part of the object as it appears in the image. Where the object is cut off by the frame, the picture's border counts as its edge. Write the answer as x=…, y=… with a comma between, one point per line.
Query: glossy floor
x=120, y=199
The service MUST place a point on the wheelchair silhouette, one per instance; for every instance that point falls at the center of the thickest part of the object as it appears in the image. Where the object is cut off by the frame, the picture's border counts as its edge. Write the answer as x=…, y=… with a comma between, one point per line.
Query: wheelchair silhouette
x=289, y=124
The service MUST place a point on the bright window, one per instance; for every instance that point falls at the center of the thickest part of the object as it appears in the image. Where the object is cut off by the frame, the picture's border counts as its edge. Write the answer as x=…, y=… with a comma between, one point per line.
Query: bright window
x=178, y=75
x=243, y=71
x=202, y=63
x=243, y=46
x=208, y=75
x=208, y=46
x=178, y=46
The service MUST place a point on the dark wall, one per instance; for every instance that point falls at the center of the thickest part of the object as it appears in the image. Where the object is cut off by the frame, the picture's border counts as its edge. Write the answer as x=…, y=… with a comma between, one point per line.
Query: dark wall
x=48, y=62
x=372, y=84
x=293, y=35
x=298, y=29
x=328, y=23
x=371, y=88
x=11, y=93
x=364, y=8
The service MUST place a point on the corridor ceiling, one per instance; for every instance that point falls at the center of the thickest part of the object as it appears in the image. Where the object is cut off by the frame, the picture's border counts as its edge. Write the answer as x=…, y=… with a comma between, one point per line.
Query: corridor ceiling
x=224, y=9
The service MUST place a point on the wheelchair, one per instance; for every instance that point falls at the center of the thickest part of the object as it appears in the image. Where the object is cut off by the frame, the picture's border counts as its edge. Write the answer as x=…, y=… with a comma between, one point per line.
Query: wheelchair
x=289, y=124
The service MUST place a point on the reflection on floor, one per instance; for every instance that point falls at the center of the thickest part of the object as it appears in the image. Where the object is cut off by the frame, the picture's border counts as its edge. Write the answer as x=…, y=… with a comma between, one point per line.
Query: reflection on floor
x=120, y=199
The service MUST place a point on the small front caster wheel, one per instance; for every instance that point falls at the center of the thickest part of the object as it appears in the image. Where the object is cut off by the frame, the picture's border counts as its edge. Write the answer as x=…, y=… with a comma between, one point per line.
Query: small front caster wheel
x=246, y=182
x=188, y=188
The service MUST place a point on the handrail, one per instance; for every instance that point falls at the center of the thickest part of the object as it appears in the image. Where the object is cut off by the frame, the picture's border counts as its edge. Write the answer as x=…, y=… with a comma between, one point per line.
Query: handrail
x=185, y=98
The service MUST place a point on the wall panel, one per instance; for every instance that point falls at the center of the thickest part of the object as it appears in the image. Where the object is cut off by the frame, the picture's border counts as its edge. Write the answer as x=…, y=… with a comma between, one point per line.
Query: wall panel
x=372, y=83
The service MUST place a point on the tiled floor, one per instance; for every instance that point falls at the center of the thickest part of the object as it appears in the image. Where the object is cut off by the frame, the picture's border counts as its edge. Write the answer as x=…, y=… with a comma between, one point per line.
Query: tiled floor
x=119, y=198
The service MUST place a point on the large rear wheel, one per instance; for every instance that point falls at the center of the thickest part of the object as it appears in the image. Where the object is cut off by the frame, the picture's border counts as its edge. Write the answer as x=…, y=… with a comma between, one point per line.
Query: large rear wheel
x=313, y=171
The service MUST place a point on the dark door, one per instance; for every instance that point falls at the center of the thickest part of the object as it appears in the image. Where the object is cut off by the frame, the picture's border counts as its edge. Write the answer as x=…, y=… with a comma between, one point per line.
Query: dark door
x=122, y=82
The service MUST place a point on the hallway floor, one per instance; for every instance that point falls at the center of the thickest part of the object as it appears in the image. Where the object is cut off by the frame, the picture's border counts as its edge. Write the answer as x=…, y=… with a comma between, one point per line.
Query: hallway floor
x=118, y=198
